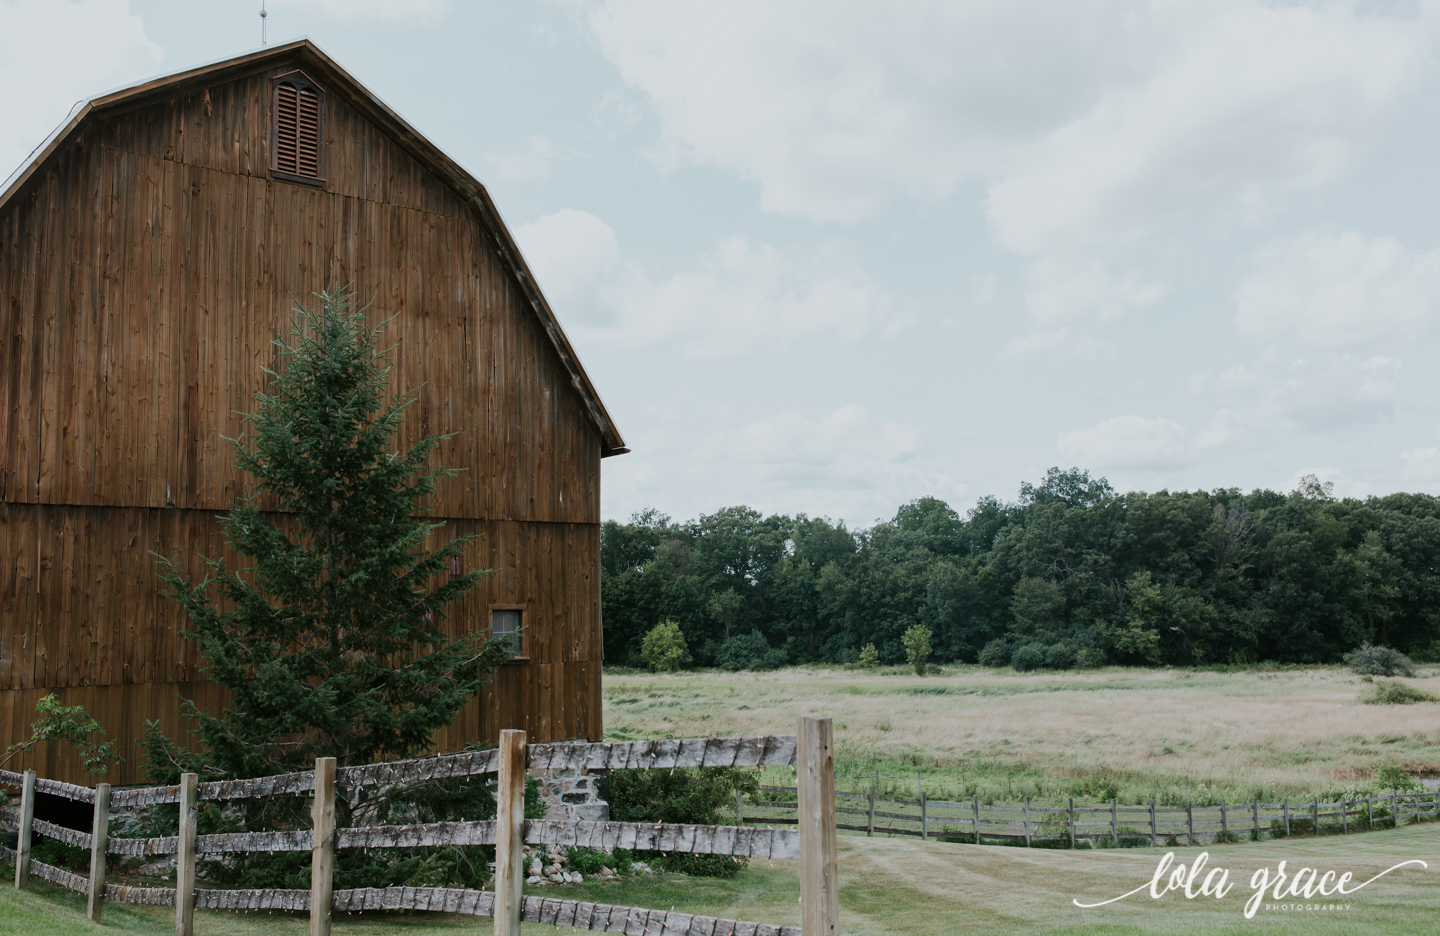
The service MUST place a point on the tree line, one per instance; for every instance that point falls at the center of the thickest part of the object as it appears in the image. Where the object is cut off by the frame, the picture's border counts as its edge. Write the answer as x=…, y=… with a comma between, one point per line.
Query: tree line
x=1071, y=573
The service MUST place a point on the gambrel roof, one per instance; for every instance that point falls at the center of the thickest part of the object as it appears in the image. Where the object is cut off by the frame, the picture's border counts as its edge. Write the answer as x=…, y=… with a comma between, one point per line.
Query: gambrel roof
x=338, y=81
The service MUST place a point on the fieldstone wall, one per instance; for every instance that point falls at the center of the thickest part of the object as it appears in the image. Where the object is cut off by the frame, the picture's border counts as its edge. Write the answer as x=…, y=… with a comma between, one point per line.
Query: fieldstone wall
x=574, y=794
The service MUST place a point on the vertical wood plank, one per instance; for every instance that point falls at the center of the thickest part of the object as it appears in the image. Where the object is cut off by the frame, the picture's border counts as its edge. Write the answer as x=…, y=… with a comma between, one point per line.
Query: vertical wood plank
x=27, y=817
x=1070, y=809
x=1114, y=825
x=99, y=839
x=975, y=808
x=185, y=856
x=815, y=782
x=322, y=847
x=509, y=833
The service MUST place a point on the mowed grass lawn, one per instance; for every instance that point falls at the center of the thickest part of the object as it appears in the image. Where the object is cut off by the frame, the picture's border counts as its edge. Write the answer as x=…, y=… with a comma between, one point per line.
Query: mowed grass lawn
x=1175, y=734
x=890, y=886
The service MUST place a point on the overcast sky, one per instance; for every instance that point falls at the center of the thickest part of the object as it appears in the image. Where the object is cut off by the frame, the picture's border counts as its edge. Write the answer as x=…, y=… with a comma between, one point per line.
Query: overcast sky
x=829, y=257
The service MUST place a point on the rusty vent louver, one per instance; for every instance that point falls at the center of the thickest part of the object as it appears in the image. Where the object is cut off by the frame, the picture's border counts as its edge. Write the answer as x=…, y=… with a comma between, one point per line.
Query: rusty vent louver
x=297, y=129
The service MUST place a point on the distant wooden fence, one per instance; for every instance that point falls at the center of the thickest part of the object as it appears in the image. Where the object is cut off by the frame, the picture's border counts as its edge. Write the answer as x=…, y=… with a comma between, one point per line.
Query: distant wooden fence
x=811, y=753
x=976, y=822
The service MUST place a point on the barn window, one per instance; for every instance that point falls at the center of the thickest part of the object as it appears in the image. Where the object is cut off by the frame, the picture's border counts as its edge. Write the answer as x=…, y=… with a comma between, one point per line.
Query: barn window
x=299, y=109
x=505, y=623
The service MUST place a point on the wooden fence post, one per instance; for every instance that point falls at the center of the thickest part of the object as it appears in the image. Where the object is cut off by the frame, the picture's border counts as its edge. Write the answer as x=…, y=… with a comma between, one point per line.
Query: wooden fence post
x=27, y=816
x=1224, y=823
x=1285, y=807
x=322, y=847
x=510, y=833
x=924, y=819
x=1114, y=825
x=819, y=876
x=1315, y=813
x=1344, y=816
x=1255, y=816
x=870, y=829
x=975, y=806
x=1071, y=801
x=1027, y=822
x=1189, y=823
x=1394, y=811
x=99, y=838
x=1153, y=836
x=1369, y=813
x=185, y=856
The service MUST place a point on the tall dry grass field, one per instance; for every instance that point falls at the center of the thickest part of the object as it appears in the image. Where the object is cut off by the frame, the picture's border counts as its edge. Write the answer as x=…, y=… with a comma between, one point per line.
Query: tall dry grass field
x=1130, y=733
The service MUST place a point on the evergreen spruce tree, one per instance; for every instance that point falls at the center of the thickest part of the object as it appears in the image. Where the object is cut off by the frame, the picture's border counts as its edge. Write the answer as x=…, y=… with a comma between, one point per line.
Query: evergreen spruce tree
x=330, y=641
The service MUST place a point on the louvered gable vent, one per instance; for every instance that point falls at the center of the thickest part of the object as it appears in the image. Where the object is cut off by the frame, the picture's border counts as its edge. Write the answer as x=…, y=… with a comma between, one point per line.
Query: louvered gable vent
x=298, y=112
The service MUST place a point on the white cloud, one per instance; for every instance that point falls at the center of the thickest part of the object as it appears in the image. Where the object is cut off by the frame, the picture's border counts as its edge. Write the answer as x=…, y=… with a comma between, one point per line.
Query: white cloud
x=533, y=163
x=1421, y=464
x=1132, y=442
x=847, y=463
x=1257, y=102
x=1335, y=290
x=1319, y=393
x=740, y=298
x=1062, y=293
x=373, y=11
x=848, y=439
x=1089, y=121
x=104, y=46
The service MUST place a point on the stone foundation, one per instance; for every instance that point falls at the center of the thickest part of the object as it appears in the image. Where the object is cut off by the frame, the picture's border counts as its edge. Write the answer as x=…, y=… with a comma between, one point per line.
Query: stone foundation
x=574, y=794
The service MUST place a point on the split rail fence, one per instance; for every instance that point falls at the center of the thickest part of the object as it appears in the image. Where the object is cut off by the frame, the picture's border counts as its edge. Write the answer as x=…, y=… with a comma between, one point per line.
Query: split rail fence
x=1150, y=824
x=813, y=842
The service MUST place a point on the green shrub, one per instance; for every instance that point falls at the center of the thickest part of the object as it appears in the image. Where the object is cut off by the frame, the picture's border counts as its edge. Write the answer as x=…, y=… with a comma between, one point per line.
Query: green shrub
x=1371, y=660
x=996, y=653
x=585, y=859
x=1088, y=657
x=60, y=854
x=1059, y=656
x=1397, y=693
x=700, y=796
x=1393, y=777
x=1028, y=657
x=749, y=652
x=869, y=657
x=1429, y=653
x=664, y=649
x=917, y=648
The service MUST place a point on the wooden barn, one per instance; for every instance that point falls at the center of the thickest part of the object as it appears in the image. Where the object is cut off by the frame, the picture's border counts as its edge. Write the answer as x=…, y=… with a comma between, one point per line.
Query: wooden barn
x=148, y=256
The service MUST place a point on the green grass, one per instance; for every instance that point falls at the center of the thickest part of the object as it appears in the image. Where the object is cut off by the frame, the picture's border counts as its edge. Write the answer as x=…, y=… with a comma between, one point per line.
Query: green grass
x=1175, y=734
x=894, y=887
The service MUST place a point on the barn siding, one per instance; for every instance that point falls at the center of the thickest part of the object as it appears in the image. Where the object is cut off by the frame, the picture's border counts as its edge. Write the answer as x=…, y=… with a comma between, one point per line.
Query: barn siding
x=143, y=277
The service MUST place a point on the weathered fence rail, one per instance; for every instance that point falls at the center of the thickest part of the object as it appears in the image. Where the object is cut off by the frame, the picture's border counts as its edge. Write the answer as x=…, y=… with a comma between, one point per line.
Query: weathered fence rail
x=810, y=752
x=976, y=822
